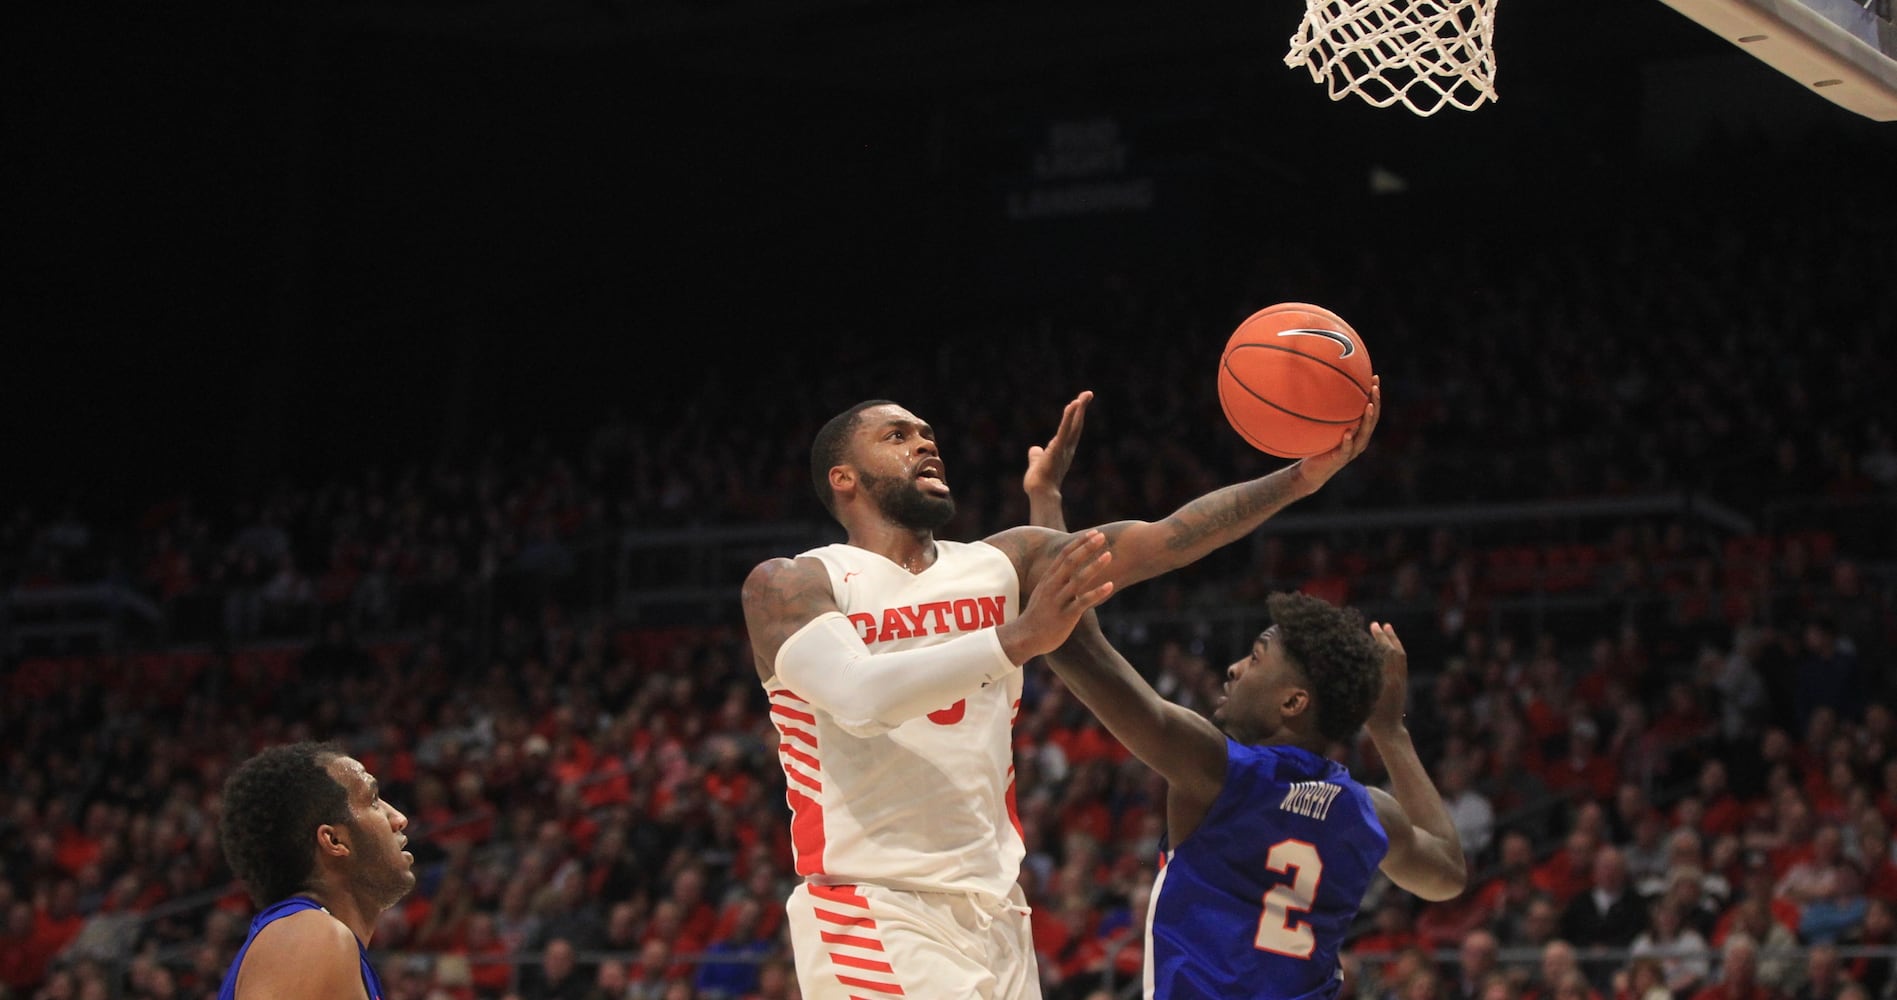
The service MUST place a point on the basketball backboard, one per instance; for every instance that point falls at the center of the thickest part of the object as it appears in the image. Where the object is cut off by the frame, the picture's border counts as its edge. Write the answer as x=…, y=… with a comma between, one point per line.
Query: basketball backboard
x=1843, y=50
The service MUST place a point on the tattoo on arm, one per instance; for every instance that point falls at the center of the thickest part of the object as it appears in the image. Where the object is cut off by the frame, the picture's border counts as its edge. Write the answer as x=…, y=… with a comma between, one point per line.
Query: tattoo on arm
x=1221, y=511
x=780, y=597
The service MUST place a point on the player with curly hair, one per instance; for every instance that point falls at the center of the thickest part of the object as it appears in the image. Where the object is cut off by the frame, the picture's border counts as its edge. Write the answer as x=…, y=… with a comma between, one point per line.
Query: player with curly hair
x=1270, y=845
x=305, y=828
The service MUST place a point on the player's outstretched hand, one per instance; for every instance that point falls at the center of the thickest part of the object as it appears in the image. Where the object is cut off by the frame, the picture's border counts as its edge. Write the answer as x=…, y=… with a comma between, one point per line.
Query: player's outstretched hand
x=1048, y=464
x=1387, y=715
x=1066, y=591
x=1318, y=469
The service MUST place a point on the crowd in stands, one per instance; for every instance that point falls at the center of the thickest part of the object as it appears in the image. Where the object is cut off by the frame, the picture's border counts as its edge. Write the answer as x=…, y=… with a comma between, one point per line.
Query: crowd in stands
x=1690, y=793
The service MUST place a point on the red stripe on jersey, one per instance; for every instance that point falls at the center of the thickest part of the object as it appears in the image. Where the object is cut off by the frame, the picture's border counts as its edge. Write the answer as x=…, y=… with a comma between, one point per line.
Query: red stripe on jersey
x=869, y=984
x=1014, y=815
x=806, y=832
x=844, y=919
x=862, y=963
x=798, y=734
x=808, y=760
x=803, y=779
x=846, y=894
x=791, y=713
x=786, y=693
x=853, y=940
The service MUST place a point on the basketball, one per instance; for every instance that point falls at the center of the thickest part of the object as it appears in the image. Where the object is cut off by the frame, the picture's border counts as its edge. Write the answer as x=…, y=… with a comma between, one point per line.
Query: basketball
x=1293, y=379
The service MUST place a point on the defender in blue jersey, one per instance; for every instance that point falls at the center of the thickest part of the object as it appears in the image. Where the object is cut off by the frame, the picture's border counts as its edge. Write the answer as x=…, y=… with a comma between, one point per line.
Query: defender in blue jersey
x=1269, y=844
x=306, y=830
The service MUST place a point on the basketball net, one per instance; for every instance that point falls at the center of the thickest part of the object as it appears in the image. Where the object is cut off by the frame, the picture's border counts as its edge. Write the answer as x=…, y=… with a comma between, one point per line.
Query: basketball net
x=1423, y=53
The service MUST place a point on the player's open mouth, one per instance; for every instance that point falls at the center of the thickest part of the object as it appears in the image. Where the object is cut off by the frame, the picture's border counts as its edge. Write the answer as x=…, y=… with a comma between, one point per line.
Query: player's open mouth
x=929, y=476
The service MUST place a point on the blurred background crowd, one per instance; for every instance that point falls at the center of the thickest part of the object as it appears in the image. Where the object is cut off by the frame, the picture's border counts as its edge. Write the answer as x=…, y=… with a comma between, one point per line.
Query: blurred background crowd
x=1631, y=508
x=426, y=378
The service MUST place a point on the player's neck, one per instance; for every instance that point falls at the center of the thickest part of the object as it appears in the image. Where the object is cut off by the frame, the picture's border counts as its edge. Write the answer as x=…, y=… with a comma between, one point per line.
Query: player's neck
x=347, y=909
x=906, y=547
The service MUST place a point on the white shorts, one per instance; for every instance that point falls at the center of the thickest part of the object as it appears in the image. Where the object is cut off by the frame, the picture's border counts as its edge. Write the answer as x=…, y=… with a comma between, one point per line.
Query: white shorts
x=874, y=943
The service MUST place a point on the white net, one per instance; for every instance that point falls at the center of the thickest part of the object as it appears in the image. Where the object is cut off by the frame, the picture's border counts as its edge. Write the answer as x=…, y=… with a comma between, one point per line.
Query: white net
x=1424, y=54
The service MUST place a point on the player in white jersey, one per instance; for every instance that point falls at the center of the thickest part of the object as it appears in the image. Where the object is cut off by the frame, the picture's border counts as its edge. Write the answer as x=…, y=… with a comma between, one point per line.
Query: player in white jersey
x=893, y=667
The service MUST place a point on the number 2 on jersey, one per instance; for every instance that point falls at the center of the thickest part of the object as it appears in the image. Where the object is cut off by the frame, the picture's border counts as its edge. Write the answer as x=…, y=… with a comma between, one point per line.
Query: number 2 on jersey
x=1277, y=933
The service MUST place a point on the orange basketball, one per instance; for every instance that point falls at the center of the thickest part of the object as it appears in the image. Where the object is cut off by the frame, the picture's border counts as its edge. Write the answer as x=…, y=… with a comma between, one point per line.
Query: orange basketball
x=1293, y=379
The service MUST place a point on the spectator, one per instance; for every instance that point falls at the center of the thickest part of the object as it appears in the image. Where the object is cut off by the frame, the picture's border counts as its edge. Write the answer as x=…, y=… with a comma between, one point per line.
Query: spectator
x=1476, y=960
x=1738, y=978
x=1540, y=923
x=1469, y=809
x=1825, y=888
x=1756, y=897
x=1773, y=943
x=1824, y=975
x=1609, y=913
x=1393, y=931
x=1582, y=771
x=21, y=965
x=1570, y=870
x=648, y=978
x=1511, y=778
x=572, y=916
x=1735, y=677
x=489, y=972
x=1505, y=896
x=1874, y=856
x=774, y=982
x=1559, y=969
x=1442, y=925
x=697, y=918
x=1642, y=980
x=556, y=977
x=609, y=981
x=1683, y=955
x=1879, y=930
x=729, y=966
x=1827, y=673
x=1647, y=853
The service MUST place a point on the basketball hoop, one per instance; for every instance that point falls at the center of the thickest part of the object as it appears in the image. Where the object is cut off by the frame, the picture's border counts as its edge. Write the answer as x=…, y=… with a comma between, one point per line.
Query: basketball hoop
x=1423, y=53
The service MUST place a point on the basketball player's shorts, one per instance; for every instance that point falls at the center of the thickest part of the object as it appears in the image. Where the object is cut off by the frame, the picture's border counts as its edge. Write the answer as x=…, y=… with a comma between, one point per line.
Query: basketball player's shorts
x=873, y=942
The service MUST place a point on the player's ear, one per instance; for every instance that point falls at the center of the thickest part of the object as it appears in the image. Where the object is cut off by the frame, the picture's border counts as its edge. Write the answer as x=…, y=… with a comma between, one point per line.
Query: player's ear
x=332, y=841
x=1295, y=701
x=842, y=479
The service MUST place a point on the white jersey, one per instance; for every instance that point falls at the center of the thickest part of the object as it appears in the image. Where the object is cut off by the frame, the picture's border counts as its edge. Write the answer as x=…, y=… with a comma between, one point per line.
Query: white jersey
x=928, y=805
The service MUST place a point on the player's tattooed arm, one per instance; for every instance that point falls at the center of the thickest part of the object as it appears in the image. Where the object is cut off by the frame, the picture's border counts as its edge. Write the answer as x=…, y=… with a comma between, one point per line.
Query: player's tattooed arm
x=1143, y=550
x=1155, y=547
x=1146, y=549
x=781, y=596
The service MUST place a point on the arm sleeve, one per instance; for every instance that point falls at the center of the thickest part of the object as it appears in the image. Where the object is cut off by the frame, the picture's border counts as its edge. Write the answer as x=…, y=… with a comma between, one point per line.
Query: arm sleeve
x=827, y=663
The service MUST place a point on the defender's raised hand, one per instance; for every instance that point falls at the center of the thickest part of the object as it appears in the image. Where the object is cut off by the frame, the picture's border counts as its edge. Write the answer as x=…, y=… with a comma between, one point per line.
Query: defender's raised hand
x=1387, y=715
x=1048, y=465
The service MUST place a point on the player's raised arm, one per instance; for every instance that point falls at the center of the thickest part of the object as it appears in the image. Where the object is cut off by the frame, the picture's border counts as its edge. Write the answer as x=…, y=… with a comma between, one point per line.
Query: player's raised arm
x=1146, y=549
x=1184, y=747
x=1425, y=851
x=1142, y=550
x=800, y=637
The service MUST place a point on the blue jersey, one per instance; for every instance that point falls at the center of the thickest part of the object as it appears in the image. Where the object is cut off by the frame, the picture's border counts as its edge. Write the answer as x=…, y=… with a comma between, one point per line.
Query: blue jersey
x=1255, y=902
x=371, y=984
